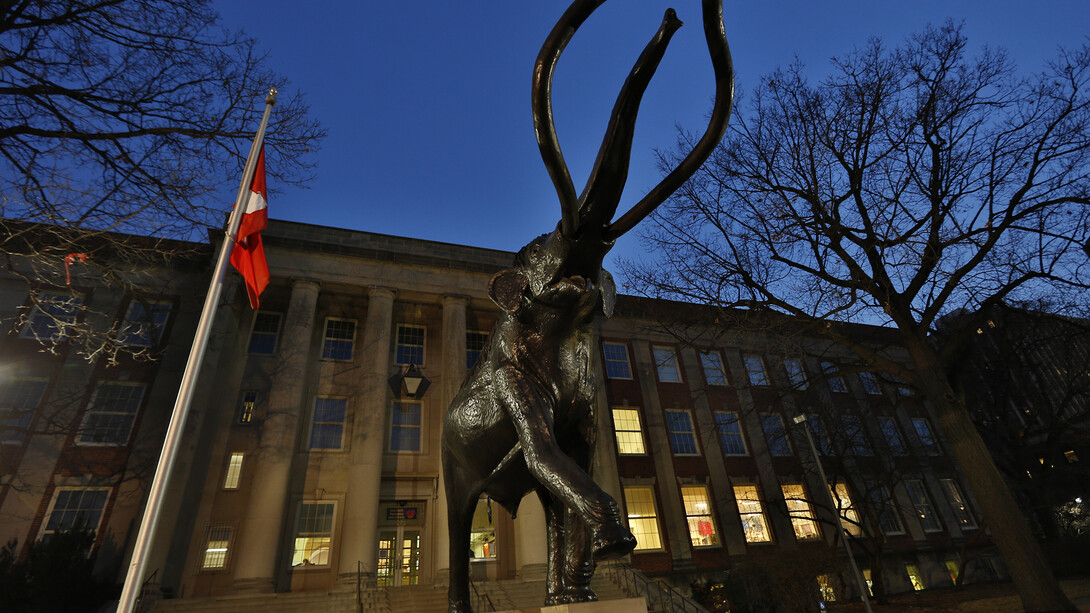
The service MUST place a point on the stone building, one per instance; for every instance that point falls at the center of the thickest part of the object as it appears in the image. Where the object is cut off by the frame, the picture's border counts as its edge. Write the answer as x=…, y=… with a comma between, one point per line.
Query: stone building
x=308, y=464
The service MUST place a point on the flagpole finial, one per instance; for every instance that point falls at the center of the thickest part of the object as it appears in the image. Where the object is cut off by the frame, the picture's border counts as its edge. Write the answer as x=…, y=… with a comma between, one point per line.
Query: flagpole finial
x=271, y=98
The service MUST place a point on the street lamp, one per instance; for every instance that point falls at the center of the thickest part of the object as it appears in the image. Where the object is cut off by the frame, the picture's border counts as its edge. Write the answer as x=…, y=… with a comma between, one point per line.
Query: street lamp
x=412, y=381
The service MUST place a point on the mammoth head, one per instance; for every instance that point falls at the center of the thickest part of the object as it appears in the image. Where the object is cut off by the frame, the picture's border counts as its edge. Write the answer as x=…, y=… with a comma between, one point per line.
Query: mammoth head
x=544, y=275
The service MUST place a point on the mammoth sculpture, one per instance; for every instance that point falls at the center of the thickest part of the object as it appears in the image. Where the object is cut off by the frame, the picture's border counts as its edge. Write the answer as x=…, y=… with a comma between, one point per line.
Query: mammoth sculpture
x=523, y=420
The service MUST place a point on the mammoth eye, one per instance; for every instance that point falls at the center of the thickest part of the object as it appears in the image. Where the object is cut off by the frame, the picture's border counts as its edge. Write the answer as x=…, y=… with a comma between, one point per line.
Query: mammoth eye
x=535, y=251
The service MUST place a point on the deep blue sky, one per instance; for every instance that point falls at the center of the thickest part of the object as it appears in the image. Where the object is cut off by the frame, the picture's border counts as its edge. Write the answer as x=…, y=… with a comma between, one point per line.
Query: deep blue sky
x=427, y=103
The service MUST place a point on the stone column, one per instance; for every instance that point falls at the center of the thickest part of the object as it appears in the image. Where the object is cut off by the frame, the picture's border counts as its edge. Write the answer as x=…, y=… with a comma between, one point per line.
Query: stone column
x=262, y=524
x=531, y=553
x=360, y=524
x=454, y=371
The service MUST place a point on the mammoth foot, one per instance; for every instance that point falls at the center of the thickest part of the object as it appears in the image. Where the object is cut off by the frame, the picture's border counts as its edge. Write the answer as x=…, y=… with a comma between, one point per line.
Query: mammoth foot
x=612, y=540
x=571, y=595
x=460, y=606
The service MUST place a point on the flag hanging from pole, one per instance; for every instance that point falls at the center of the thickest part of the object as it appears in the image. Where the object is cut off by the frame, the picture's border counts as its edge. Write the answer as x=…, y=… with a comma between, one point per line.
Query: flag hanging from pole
x=248, y=256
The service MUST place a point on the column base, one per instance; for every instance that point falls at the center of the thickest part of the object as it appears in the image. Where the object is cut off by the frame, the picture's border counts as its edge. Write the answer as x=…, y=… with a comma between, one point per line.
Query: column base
x=261, y=585
x=623, y=605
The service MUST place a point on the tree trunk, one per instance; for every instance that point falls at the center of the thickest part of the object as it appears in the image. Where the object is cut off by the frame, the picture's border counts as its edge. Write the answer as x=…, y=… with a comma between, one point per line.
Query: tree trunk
x=1032, y=577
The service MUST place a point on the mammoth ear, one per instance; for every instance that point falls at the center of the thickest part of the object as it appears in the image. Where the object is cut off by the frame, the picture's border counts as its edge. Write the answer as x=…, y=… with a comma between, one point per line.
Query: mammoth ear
x=506, y=289
x=609, y=292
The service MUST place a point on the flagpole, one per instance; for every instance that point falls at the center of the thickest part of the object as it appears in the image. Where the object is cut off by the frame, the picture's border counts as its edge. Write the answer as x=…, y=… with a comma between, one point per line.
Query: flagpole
x=156, y=493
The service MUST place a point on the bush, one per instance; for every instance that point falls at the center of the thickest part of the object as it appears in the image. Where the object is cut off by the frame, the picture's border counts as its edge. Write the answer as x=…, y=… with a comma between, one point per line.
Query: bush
x=781, y=583
x=55, y=576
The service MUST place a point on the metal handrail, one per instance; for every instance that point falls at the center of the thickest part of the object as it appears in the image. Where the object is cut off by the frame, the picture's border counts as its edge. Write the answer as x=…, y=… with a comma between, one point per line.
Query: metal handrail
x=636, y=584
x=143, y=602
x=481, y=600
x=367, y=584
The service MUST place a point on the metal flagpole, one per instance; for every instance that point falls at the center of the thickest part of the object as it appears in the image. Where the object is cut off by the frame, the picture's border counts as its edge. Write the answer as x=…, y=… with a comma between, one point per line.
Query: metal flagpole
x=156, y=493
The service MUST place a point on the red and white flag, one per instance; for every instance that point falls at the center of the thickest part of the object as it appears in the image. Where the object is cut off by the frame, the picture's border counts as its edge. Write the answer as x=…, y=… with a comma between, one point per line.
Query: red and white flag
x=248, y=256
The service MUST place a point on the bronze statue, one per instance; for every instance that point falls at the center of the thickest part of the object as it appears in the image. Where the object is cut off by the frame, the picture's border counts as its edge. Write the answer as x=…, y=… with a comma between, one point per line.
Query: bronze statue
x=524, y=418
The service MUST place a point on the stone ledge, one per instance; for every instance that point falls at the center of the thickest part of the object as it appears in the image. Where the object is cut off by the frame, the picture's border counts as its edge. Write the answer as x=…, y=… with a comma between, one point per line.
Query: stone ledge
x=625, y=605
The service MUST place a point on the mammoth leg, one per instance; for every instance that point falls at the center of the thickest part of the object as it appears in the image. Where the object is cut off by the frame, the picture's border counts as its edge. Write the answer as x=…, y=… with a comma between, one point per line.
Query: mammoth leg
x=554, y=532
x=461, y=502
x=578, y=563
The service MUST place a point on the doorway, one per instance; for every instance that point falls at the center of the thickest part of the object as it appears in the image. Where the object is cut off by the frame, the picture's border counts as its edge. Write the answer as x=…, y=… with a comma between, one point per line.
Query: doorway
x=398, y=556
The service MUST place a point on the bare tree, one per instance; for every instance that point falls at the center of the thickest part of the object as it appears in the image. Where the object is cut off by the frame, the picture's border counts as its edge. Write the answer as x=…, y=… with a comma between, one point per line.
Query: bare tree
x=910, y=183
x=127, y=117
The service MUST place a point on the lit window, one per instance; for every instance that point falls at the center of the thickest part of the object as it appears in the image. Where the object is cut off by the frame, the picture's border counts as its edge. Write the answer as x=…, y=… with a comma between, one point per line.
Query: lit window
x=216, y=548
x=475, y=342
x=679, y=424
x=51, y=317
x=327, y=423
x=800, y=511
x=643, y=519
x=626, y=426
x=914, y=576
x=410, y=345
x=616, y=359
x=234, y=471
x=144, y=323
x=110, y=416
x=729, y=428
x=246, y=408
x=751, y=511
x=712, y=363
x=775, y=435
x=825, y=589
x=857, y=439
x=76, y=507
x=698, y=514
x=892, y=435
x=819, y=434
x=870, y=383
x=339, y=339
x=835, y=381
x=849, y=517
x=18, y=399
x=927, y=438
x=952, y=568
x=1071, y=456
x=888, y=520
x=405, y=426
x=917, y=493
x=755, y=369
x=958, y=503
x=796, y=375
x=666, y=364
x=482, y=534
x=264, y=333
x=313, y=534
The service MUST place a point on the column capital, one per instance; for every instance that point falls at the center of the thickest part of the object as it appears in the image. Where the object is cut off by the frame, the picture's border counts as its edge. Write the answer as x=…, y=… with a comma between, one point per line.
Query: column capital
x=380, y=290
x=455, y=299
x=306, y=282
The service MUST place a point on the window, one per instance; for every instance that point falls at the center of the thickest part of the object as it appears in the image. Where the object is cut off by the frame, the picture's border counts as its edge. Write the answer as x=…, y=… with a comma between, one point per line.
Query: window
x=626, y=426
x=264, y=333
x=796, y=375
x=410, y=344
x=110, y=416
x=18, y=399
x=246, y=409
x=339, y=339
x=888, y=520
x=74, y=507
x=819, y=434
x=958, y=504
x=313, y=534
x=755, y=369
x=643, y=519
x=952, y=568
x=775, y=435
x=835, y=381
x=870, y=383
x=405, y=426
x=698, y=514
x=754, y=523
x=927, y=438
x=475, y=342
x=729, y=428
x=216, y=547
x=144, y=323
x=917, y=493
x=51, y=317
x=666, y=364
x=825, y=589
x=892, y=435
x=849, y=517
x=857, y=439
x=712, y=363
x=800, y=511
x=327, y=424
x=914, y=576
x=616, y=358
x=679, y=424
x=234, y=471
x=482, y=534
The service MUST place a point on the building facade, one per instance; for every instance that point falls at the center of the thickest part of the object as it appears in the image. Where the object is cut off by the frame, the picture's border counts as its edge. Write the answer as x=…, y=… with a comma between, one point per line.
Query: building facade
x=307, y=464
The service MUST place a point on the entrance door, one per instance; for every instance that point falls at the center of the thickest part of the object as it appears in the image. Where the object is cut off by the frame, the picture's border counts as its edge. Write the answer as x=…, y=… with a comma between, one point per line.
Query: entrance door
x=398, y=556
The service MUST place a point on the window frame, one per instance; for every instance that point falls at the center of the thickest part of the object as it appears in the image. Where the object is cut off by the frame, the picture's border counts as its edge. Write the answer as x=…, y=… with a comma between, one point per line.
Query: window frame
x=833, y=379
x=658, y=543
x=929, y=444
x=870, y=383
x=474, y=352
x=720, y=433
x=844, y=508
x=409, y=350
x=856, y=436
x=926, y=514
x=701, y=496
x=128, y=337
x=275, y=334
x=955, y=497
x=672, y=417
x=901, y=448
x=749, y=361
x=760, y=513
x=17, y=415
x=607, y=360
x=618, y=431
x=333, y=345
x=232, y=473
x=314, y=534
x=314, y=423
x=81, y=437
x=247, y=407
x=886, y=509
x=803, y=514
x=44, y=530
x=769, y=436
x=819, y=433
x=661, y=363
x=51, y=320
x=229, y=542
x=718, y=367
x=406, y=428
x=796, y=376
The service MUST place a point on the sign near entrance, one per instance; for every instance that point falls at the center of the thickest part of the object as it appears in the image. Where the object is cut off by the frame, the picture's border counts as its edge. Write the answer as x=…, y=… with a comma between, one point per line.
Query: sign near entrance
x=401, y=513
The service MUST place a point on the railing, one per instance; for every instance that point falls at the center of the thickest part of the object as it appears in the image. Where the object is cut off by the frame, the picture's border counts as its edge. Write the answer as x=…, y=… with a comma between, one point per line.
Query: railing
x=659, y=597
x=367, y=590
x=149, y=593
x=481, y=602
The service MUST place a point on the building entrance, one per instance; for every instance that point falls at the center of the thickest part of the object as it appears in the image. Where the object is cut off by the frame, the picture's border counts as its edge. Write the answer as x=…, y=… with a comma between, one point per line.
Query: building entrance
x=401, y=525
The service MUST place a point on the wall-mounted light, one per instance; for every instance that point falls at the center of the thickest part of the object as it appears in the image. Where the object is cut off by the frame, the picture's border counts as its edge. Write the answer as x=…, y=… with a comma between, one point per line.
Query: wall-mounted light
x=411, y=382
